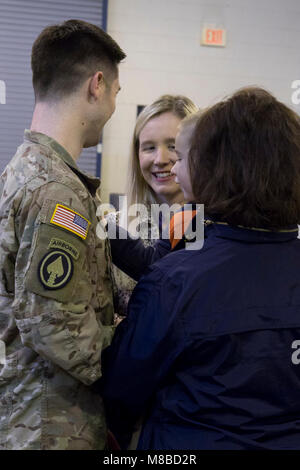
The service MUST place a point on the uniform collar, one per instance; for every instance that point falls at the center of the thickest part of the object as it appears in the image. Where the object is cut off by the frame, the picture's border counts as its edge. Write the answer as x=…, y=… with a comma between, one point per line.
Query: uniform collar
x=250, y=234
x=38, y=138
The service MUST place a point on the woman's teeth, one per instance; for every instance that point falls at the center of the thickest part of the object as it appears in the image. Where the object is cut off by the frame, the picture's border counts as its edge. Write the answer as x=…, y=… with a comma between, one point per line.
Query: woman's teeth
x=162, y=175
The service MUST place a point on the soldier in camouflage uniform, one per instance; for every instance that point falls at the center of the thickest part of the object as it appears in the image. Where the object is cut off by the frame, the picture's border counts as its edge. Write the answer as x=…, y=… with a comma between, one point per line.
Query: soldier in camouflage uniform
x=56, y=307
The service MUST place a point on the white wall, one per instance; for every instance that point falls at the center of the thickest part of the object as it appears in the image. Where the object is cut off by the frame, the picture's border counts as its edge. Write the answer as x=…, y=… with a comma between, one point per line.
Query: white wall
x=162, y=41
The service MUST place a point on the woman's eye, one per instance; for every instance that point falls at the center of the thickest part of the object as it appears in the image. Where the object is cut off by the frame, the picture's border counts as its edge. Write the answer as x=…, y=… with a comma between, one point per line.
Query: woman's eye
x=150, y=148
x=171, y=147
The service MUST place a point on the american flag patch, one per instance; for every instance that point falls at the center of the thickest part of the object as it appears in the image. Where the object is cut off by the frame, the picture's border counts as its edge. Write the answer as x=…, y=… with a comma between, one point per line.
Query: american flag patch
x=70, y=220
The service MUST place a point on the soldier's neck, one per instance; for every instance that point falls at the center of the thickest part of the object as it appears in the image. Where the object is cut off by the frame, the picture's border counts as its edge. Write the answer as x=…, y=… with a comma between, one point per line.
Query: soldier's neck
x=60, y=123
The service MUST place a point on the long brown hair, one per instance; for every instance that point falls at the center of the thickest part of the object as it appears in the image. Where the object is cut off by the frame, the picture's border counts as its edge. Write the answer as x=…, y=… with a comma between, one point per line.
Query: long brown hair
x=244, y=161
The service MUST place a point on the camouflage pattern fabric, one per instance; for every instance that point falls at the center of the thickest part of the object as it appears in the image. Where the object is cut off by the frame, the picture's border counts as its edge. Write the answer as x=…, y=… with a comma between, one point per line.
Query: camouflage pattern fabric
x=56, y=303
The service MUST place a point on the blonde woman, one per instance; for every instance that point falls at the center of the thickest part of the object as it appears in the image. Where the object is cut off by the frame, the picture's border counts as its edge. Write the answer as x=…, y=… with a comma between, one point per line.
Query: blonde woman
x=150, y=180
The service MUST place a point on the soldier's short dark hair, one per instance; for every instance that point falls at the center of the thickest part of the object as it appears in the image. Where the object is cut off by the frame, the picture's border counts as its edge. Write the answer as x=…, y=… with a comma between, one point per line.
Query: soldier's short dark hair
x=244, y=161
x=65, y=55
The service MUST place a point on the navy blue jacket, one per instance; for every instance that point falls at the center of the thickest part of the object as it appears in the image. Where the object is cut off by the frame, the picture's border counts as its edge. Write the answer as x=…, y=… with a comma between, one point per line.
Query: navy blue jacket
x=208, y=351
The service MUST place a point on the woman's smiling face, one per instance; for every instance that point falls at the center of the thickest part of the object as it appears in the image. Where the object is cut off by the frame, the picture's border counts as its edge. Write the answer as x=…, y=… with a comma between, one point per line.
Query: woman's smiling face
x=157, y=156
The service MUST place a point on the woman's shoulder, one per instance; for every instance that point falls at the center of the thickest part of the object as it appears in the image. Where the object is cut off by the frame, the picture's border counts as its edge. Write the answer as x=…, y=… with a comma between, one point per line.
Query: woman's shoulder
x=172, y=268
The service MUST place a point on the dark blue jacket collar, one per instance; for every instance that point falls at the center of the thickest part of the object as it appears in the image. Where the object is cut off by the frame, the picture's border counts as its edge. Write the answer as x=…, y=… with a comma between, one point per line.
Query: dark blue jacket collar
x=250, y=235
x=215, y=228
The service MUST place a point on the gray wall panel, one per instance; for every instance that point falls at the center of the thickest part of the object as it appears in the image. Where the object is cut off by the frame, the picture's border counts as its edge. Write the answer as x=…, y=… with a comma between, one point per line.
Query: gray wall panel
x=20, y=23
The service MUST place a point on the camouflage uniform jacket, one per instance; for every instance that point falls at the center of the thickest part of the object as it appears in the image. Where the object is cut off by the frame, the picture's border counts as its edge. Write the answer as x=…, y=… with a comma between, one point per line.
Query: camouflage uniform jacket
x=56, y=307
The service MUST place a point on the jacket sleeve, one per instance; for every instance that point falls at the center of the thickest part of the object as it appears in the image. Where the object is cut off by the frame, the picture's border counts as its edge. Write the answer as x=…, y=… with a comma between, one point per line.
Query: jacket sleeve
x=132, y=256
x=53, y=286
x=143, y=351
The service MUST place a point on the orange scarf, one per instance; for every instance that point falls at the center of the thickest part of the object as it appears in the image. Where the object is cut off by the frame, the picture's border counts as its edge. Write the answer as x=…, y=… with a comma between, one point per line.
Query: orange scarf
x=179, y=224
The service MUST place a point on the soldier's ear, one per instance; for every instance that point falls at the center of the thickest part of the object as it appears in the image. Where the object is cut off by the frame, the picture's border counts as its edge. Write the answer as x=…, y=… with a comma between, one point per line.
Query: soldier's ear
x=96, y=85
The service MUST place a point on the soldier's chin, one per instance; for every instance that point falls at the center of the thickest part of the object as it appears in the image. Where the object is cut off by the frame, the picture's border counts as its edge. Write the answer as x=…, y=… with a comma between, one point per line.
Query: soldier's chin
x=91, y=143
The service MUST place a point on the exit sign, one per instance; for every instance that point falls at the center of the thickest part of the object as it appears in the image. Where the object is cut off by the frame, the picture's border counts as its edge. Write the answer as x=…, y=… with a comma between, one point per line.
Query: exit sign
x=213, y=37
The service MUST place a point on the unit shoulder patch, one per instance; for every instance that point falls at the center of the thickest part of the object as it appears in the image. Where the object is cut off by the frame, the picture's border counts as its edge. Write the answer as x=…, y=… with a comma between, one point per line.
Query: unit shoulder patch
x=55, y=269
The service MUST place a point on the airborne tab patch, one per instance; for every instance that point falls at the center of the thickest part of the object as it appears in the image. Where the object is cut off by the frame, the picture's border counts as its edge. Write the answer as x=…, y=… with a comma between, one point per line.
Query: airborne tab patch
x=70, y=220
x=63, y=245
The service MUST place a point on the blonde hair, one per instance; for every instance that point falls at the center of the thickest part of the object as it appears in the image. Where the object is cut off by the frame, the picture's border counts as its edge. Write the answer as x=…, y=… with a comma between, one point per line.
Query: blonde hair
x=138, y=189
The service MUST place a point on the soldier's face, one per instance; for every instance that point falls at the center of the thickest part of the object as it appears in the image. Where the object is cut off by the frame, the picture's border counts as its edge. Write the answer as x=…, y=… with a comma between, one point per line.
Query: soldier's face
x=108, y=102
x=103, y=109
